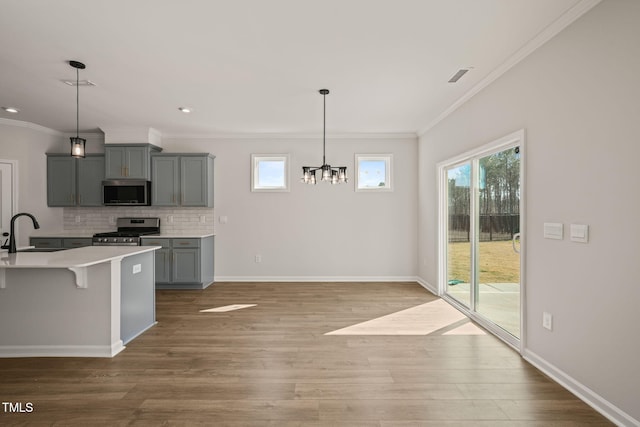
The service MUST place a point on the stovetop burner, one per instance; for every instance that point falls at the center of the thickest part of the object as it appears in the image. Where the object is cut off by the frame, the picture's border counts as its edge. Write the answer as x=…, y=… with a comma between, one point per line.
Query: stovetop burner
x=129, y=232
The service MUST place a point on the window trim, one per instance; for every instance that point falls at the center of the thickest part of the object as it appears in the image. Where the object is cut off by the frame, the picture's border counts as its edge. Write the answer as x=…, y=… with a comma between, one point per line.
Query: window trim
x=388, y=159
x=255, y=163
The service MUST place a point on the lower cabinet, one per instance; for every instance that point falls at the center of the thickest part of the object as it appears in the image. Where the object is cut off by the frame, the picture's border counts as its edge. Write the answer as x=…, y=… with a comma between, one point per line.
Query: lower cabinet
x=75, y=242
x=59, y=242
x=45, y=242
x=183, y=263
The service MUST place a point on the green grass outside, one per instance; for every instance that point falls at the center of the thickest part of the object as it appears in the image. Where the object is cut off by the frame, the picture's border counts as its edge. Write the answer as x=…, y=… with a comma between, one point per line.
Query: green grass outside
x=498, y=262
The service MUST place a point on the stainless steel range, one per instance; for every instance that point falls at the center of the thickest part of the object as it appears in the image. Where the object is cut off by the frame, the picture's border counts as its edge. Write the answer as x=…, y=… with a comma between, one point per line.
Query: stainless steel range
x=129, y=232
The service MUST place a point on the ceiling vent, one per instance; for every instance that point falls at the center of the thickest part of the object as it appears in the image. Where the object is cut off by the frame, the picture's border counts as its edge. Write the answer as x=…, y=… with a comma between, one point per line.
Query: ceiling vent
x=79, y=83
x=461, y=72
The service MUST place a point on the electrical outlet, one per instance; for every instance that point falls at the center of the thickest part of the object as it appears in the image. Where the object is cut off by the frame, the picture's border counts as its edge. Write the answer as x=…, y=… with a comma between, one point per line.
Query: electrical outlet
x=137, y=268
x=78, y=219
x=258, y=258
x=547, y=320
x=203, y=219
x=170, y=219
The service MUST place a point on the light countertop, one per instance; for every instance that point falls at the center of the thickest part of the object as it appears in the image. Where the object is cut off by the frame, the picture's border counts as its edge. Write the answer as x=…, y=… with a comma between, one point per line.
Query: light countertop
x=182, y=235
x=89, y=234
x=71, y=258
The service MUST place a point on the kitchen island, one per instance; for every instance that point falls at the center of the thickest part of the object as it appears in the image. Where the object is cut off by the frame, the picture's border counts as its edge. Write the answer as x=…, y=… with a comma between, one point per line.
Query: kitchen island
x=83, y=302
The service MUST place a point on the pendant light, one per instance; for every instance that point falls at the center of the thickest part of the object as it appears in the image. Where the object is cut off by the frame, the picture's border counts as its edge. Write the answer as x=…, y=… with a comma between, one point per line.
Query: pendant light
x=334, y=175
x=77, y=143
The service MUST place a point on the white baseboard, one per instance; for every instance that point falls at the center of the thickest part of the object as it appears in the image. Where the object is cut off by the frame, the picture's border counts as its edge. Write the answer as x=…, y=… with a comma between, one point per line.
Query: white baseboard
x=428, y=286
x=315, y=279
x=61, y=350
x=591, y=398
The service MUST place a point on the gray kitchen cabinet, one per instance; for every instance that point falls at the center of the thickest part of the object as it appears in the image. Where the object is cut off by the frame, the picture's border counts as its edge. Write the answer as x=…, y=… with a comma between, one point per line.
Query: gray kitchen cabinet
x=90, y=176
x=182, y=179
x=45, y=242
x=60, y=242
x=76, y=242
x=74, y=182
x=163, y=265
x=61, y=180
x=183, y=263
x=165, y=180
x=131, y=161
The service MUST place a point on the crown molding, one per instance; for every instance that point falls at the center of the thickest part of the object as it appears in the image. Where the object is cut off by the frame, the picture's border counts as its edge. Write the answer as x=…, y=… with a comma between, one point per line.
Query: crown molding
x=29, y=125
x=292, y=135
x=544, y=36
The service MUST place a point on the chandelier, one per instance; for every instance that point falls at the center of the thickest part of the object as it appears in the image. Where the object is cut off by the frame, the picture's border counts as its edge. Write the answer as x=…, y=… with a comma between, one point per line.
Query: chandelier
x=335, y=175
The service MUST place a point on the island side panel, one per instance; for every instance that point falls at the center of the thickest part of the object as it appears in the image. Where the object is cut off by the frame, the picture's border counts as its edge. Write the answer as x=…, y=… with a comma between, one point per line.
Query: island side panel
x=137, y=295
x=44, y=313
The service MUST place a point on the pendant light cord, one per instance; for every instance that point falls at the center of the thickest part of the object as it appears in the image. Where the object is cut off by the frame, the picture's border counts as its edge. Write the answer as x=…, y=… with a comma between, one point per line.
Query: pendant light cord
x=324, y=127
x=77, y=102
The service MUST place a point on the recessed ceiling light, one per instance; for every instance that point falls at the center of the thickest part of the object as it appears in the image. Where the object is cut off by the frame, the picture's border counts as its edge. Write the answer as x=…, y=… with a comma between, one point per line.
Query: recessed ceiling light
x=12, y=110
x=186, y=110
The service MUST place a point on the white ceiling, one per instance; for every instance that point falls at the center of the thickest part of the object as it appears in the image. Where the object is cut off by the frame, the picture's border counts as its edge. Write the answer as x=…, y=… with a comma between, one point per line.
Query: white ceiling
x=257, y=65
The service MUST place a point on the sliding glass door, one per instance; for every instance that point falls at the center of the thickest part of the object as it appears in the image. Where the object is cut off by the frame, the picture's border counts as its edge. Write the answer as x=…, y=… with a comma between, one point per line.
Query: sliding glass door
x=459, y=265
x=481, y=221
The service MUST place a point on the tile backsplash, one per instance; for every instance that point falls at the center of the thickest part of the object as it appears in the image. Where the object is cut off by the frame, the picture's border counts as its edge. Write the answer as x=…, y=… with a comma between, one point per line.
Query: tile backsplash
x=172, y=220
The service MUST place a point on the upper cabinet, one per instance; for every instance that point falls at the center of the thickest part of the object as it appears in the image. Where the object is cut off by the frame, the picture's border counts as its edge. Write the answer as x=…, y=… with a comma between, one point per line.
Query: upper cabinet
x=74, y=182
x=131, y=161
x=184, y=179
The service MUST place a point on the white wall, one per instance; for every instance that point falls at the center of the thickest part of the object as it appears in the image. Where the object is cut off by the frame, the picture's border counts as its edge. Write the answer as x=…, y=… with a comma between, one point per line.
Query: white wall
x=312, y=232
x=28, y=144
x=578, y=99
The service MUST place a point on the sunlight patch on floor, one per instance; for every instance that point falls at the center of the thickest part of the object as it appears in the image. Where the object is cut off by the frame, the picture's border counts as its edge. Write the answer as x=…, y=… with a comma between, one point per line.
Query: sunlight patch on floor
x=433, y=317
x=226, y=308
x=468, y=328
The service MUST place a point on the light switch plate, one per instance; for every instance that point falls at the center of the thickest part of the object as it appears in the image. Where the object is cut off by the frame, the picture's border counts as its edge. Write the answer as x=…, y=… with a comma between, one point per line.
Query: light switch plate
x=553, y=230
x=579, y=233
x=547, y=321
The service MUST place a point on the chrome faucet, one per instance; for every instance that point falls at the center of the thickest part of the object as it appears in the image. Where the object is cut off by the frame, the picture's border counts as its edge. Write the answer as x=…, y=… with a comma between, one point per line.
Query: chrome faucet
x=12, y=235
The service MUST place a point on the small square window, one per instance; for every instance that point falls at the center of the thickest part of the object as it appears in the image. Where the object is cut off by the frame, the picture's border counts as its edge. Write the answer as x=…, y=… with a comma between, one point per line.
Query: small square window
x=269, y=172
x=373, y=172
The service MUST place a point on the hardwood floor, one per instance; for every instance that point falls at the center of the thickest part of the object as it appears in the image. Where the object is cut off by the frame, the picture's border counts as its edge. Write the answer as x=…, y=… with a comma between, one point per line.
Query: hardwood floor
x=273, y=365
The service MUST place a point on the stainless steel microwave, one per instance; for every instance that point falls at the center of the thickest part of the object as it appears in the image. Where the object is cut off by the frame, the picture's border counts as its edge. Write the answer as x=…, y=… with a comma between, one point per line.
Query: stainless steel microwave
x=126, y=192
